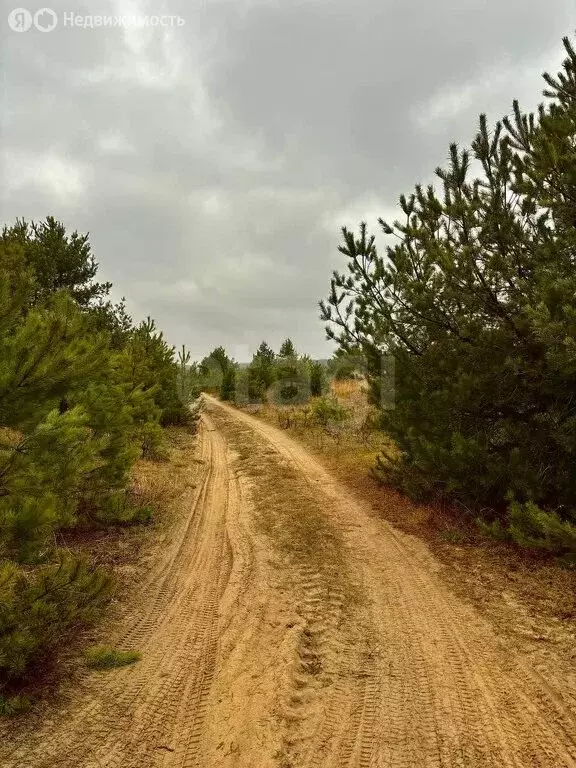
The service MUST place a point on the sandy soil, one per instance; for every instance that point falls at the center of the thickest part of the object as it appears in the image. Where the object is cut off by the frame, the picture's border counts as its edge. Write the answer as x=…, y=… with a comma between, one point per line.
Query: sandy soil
x=286, y=626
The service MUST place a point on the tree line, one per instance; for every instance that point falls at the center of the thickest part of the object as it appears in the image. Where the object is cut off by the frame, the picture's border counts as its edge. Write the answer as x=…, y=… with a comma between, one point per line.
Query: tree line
x=283, y=377
x=84, y=392
x=474, y=298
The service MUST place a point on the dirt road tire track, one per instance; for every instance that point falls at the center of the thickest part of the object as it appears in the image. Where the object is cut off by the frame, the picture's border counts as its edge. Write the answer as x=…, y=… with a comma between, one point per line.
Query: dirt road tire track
x=286, y=626
x=129, y=718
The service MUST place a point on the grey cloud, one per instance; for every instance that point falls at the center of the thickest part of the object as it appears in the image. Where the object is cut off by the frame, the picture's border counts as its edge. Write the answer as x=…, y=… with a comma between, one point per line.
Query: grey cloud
x=214, y=163
x=332, y=83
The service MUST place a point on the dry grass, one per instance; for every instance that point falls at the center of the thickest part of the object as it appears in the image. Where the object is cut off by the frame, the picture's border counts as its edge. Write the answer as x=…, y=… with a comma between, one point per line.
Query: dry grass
x=349, y=389
x=10, y=437
x=158, y=484
x=355, y=438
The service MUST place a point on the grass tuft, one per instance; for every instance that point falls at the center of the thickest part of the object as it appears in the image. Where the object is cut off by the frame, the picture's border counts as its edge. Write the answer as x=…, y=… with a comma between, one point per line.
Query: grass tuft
x=10, y=706
x=104, y=657
x=452, y=536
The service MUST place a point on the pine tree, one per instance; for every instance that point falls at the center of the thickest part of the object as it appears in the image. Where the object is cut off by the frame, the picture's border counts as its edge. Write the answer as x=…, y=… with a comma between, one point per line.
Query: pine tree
x=265, y=353
x=150, y=363
x=217, y=359
x=318, y=380
x=212, y=368
x=41, y=474
x=114, y=320
x=82, y=393
x=228, y=386
x=261, y=373
x=44, y=350
x=218, y=373
x=476, y=304
x=39, y=610
x=58, y=261
x=287, y=349
x=292, y=385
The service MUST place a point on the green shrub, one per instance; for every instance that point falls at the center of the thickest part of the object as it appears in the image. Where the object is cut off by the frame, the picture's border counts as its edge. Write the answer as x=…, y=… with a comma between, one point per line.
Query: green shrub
x=328, y=411
x=318, y=379
x=120, y=509
x=228, y=386
x=11, y=706
x=39, y=609
x=530, y=526
x=292, y=384
x=104, y=657
x=195, y=413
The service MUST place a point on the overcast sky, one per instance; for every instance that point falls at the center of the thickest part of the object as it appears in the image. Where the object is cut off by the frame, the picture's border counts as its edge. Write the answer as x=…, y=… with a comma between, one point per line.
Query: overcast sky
x=213, y=163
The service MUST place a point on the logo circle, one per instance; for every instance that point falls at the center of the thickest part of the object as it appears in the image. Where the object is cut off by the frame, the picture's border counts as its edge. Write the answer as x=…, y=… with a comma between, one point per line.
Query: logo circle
x=45, y=20
x=20, y=20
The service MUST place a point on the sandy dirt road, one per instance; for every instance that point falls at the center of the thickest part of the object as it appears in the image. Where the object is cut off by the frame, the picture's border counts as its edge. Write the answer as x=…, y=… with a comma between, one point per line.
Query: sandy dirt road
x=286, y=626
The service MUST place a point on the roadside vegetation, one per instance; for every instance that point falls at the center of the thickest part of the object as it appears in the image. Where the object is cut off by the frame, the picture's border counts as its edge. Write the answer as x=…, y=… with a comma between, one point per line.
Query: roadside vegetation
x=84, y=394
